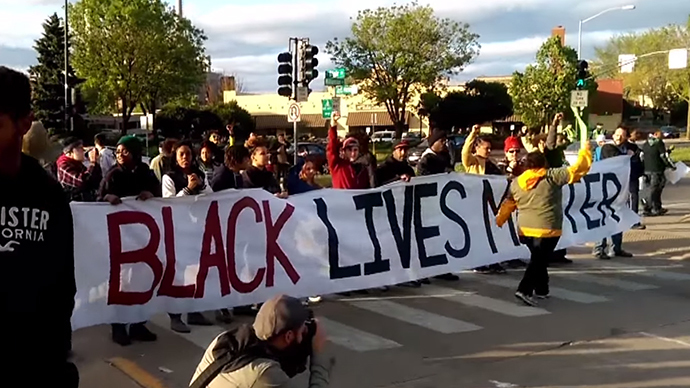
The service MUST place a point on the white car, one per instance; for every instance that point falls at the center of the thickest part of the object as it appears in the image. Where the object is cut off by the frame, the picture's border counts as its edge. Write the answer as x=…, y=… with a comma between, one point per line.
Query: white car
x=382, y=136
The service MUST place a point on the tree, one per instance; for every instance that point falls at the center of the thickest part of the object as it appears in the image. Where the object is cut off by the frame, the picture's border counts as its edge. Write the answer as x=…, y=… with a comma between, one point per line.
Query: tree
x=135, y=52
x=478, y=103
x=544, y=88
x=398, y=52
x=666, y=88
x=189, y=121
x=47, y=77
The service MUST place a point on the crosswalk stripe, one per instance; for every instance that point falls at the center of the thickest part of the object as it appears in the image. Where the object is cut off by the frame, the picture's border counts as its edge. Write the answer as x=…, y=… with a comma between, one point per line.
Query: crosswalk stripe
x=355, y=339
x=556, y=292
x=422, y=318
x=607, y=281
x=201, y=336
x=651, y=272
x=479, y=301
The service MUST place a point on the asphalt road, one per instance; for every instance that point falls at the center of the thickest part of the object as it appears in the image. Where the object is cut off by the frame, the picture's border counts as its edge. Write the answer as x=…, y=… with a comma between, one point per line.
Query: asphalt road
x=620, y=323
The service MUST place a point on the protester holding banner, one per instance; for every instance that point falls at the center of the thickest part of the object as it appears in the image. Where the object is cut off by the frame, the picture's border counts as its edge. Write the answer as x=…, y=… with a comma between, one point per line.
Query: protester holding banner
x=621, y=146
x=476, y=154
x=36, y=250
x=257, y=175
x=436, y=160
x=537, y=196
x=301, y=178
x=395, y=167
x=346, y=173
x=129, y=178
x=229, y=174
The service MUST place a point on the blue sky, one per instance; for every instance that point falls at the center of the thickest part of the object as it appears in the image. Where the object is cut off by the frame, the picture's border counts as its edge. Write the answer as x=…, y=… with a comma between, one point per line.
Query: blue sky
x=245, y=36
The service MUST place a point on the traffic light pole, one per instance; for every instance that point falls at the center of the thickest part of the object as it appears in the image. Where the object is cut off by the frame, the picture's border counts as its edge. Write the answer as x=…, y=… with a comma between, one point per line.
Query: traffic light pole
x=295, y=81
x=68, y=114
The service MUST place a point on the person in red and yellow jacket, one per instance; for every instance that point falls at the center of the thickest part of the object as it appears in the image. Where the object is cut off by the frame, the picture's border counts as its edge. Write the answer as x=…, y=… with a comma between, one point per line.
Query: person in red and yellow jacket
x=345, y=172
x=537, y=195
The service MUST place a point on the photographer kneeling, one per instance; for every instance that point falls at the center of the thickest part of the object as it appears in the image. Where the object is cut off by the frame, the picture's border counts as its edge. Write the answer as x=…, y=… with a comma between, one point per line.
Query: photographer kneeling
x=268, y=353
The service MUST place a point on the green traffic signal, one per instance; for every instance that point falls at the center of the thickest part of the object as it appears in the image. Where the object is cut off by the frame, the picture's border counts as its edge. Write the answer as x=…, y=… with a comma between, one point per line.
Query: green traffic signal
x=580, y=83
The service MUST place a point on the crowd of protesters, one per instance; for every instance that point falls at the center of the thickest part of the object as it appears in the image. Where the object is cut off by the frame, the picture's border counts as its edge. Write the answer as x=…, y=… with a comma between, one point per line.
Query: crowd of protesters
x=37, y=171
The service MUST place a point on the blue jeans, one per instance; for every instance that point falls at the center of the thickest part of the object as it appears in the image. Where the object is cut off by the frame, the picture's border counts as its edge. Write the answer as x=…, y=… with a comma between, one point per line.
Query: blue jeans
x=616, y=240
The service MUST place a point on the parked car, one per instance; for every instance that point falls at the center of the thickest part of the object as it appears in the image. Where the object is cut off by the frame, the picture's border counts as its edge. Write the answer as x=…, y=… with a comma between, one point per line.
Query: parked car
x=413, y=138
x=573, y=150
x=671, y=132
x=415, y=153
x=382, y=136
x=312, y=152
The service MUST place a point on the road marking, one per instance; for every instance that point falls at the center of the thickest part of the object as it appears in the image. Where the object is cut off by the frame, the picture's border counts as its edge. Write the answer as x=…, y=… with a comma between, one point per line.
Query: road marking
x=673, y=340
x=675, y=276
x=355, y=339
x=556, y=292
x=609, y=282
x=201, y=336
x=479, y=301
x=422, y=318
x=136, y=373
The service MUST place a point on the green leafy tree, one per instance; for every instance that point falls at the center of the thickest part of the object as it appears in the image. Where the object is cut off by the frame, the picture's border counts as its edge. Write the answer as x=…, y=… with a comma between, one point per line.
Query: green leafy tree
x=134, y=52
x=544, y=88
x=478, y=103
x=667, y=89
x=47, y=77
x=398, y=52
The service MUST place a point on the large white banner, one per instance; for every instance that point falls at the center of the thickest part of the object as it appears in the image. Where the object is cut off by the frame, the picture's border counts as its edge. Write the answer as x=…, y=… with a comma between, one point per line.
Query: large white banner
x=237, y=248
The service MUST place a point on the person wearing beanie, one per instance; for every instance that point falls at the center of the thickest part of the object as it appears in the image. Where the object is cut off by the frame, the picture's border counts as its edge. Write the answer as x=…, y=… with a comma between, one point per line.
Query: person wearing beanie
x=436, y=160
x=346, y=173
x=511, y=165
x=79, y=182
x=129, y=178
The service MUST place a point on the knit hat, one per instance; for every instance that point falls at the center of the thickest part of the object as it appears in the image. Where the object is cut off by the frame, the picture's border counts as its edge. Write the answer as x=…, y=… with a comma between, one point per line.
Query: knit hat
x=436, y=134
x=278, y=315
x=132, y=144
x=511, y=143
x=350, y=142
x=70, y=143
x=401, y=144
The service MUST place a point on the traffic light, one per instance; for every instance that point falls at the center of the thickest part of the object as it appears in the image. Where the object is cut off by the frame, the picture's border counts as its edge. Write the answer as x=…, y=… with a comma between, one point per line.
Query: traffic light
x=310, y=63
x=285, y=81
x=582, y=74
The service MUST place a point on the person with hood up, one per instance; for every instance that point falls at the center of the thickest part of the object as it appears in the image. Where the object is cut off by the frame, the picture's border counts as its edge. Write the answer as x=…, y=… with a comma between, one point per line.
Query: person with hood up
x=185, y=178
x=229, y=175
x=537, y=195
x=601, y=141
x=129, y=178
x=37, y=144
x=395, y=167
x=80, y=183
x=656, y=161
x=346, y=173
x=37, y=254
x=436, y=160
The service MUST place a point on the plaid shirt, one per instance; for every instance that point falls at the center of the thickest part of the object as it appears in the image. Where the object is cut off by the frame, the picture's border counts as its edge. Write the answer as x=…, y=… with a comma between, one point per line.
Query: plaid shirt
x=79, y=182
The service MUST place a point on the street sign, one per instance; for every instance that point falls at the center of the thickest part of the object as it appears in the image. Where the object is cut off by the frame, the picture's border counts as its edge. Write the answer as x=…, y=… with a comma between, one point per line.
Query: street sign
x=678, y=59
x=626, y=62
x=326, y=108
x=294, y=114
x=342, y=90
x=579, y=98
x=302, y=94
x=336, y=104
x=335, y=77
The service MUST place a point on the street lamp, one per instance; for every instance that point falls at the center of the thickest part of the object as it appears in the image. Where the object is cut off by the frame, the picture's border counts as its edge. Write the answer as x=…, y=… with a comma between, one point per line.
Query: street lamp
x=579, y=32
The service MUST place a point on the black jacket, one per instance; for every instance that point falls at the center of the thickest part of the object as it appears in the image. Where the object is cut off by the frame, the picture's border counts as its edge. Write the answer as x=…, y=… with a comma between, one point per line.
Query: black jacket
x=124, y=182
x=655, y=159
x=391, y=170
x=223, y=179
x=636, y=167
x=432, y=163
x=38, y=288
x=263, y=179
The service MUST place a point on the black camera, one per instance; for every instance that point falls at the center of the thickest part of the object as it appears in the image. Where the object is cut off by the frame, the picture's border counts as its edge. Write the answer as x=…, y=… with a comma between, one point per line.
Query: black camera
x=311, y=328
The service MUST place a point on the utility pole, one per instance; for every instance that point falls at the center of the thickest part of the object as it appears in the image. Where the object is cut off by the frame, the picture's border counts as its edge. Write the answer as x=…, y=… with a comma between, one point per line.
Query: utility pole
x=68, y=113
x=179, y=8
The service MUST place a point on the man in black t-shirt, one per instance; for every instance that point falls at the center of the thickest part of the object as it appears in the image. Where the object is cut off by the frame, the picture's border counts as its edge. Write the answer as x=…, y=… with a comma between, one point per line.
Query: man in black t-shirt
x=36, y=251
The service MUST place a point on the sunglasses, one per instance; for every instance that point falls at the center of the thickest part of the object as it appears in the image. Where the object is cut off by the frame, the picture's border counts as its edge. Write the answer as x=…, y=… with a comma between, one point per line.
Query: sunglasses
x=512, y=151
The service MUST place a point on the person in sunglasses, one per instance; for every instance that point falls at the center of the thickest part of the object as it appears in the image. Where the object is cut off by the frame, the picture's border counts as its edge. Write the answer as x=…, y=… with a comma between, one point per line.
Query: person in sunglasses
x=512, y=165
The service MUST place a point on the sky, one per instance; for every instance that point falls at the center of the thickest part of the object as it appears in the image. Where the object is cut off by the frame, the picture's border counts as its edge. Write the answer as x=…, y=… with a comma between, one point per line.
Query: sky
x=245, y=36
